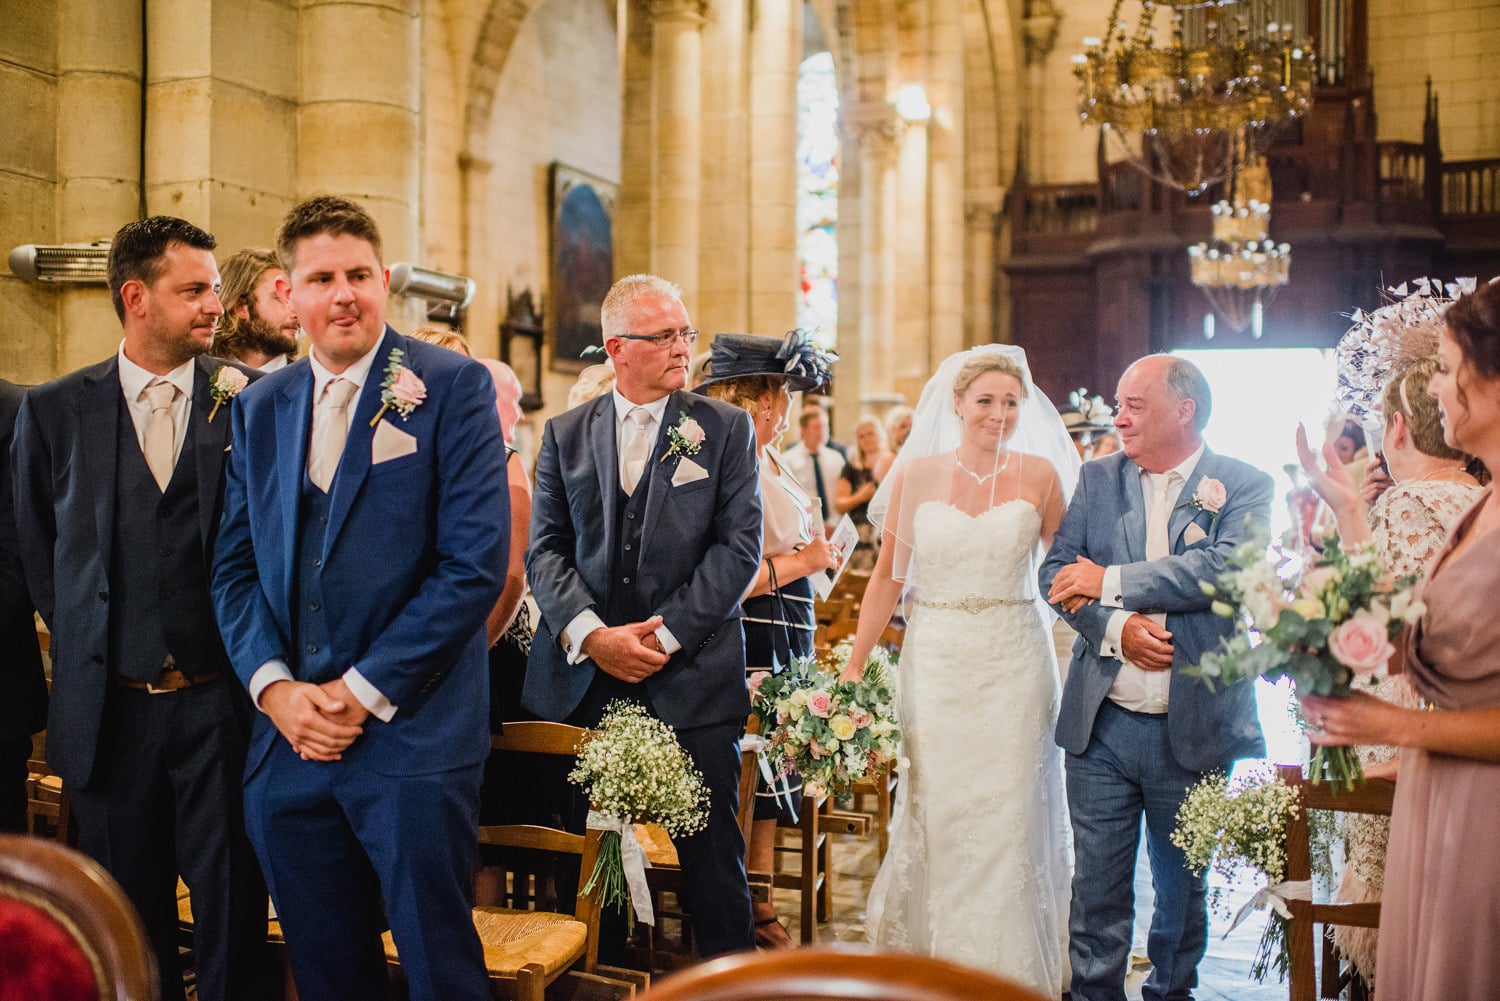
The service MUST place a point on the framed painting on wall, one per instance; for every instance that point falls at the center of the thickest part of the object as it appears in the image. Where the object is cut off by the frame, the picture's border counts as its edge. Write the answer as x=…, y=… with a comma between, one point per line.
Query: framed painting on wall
x=582, y=264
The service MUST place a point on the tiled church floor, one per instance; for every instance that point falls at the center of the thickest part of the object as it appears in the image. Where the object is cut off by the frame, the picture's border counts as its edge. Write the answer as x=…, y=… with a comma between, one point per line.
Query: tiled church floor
x=1223, y=975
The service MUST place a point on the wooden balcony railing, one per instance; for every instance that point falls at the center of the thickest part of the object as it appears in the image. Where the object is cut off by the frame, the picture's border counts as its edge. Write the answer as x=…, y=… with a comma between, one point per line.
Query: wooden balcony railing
x=1471, y=187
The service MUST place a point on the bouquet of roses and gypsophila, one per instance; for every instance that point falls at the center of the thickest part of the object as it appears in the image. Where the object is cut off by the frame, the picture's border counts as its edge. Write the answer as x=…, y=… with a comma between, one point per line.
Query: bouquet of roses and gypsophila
x=635, y=771
x=1229, y=826
x=835, y=733
x=1322, y=627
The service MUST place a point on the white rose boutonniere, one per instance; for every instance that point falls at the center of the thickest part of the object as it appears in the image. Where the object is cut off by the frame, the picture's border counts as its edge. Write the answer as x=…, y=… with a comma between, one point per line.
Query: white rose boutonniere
x=225, y=386
x=402, y=391
x=686, y=438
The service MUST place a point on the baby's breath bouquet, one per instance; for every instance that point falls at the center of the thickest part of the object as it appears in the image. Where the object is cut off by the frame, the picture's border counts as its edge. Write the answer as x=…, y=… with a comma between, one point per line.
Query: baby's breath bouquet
x=635, y=771
x=835, y=733
x=1323, y=627
x=1225, y=826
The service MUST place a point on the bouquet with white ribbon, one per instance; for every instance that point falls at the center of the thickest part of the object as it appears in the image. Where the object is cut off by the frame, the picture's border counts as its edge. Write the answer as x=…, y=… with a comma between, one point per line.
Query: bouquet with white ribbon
x=635, y=771
x=1228, y=826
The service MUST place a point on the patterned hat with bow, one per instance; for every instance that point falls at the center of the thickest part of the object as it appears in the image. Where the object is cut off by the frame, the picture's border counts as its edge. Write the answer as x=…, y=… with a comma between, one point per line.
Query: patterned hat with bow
x=794, y=357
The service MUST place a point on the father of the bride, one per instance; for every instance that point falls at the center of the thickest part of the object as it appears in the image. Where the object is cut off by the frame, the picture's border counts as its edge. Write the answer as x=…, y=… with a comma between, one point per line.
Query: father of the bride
x=1144, y=527
x=645, y=532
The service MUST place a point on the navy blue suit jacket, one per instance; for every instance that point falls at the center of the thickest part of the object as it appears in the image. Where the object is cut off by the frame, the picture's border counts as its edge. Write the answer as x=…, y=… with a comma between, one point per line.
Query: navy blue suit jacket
x=700, y=548
x=64, y=453
x=413, y=560
x=1106, y=522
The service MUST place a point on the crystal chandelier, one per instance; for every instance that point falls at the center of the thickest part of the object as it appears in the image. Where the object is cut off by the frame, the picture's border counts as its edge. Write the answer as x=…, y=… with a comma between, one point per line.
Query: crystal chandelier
x=1177, y=111
x=1240, y=270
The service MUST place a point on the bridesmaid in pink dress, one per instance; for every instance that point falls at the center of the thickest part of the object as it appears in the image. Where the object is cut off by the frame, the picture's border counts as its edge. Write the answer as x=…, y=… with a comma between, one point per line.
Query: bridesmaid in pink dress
x=1440, y=915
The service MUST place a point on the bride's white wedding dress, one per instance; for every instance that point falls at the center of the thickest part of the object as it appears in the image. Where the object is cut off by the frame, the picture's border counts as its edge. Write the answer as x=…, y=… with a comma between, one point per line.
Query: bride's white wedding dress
x=980, y=853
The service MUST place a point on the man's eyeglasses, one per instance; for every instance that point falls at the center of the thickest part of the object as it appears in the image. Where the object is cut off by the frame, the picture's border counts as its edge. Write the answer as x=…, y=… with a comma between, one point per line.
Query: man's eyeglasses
x=665, y=338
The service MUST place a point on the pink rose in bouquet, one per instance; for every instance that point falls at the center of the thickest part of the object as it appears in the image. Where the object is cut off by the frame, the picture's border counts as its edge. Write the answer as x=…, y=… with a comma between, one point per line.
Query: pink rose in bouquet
x=819, y=703
x=755, y=681
x=1361, y=644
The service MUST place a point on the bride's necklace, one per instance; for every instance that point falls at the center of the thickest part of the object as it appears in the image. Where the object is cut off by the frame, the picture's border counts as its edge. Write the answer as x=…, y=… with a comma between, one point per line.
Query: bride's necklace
x=981, y=480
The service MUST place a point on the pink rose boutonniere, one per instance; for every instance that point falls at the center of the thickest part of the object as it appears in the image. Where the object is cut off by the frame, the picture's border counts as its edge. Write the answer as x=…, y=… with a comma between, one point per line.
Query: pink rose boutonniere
x=225, y=386
x=402, y=391
x=686, y=438
x=1210, y=496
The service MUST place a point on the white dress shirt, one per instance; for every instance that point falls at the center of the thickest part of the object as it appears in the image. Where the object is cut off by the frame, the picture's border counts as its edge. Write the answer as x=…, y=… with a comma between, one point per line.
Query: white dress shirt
x=276, y=362
x=800, y=461
x=276, y=670
x=1136, y=689
x=133, y=383
x=586, y=621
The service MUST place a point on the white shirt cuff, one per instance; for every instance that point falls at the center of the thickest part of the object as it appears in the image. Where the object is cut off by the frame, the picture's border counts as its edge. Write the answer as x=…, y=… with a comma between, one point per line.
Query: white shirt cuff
x=1111, y=589
x=668, y=642
x=1113, y=630
x=369, y=696
x=267, y=674
x=575, y=632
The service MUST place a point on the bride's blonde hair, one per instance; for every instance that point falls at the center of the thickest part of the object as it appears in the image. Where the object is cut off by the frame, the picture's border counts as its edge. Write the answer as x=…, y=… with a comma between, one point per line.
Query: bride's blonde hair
x=982, y=363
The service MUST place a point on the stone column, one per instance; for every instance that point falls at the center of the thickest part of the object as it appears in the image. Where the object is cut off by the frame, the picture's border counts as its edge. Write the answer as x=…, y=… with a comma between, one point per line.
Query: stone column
x=358, y=132
x=878, y=131
x=726, y=215
x=633, y=214
x=677, y=153
x=775, y=56
x=98, y=127
x=945, y=188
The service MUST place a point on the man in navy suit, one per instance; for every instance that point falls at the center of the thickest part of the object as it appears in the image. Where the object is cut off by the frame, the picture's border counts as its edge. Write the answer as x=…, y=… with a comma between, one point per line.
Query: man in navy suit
x=119, y=472
x=645, y=533
x=365, y=525
x=1144, y=527
x=23, y=687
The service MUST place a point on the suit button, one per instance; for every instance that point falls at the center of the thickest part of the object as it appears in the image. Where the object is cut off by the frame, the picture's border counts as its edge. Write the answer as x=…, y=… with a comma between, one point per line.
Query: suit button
x=318, y=562
x=323, y=520
x=97, y=658
x=103, y=595
x=627, y=547
x=625, y=580
x=164, y=551
x=630, y=515
x=312, y=648
x=314, y=605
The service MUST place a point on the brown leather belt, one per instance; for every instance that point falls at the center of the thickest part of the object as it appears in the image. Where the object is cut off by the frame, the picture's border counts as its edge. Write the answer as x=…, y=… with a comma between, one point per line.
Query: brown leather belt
x=171, y=680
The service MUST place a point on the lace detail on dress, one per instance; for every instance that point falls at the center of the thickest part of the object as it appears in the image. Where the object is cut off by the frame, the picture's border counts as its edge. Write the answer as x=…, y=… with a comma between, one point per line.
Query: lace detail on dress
x=1410, y=523
x=980, y=853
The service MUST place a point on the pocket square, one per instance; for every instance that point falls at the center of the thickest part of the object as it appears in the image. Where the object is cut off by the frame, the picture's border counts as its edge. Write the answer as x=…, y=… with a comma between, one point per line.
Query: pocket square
x=1193, y=535
x=688, y=471
x=391, y=443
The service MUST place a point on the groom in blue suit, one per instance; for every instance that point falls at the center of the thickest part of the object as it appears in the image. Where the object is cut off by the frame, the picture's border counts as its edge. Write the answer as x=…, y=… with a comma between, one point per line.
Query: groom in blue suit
x=363, y=544
x=1143, y=529
x=645, y=534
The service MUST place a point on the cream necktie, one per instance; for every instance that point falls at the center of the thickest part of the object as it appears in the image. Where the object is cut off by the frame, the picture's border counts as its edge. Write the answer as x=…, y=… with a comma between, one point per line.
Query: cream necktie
x=161, y=432
x=334, y=431
x=1157, y=544
x=637, y=448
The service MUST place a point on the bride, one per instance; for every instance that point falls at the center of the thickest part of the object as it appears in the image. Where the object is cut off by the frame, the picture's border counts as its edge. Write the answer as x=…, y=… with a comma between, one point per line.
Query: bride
x=979, y=863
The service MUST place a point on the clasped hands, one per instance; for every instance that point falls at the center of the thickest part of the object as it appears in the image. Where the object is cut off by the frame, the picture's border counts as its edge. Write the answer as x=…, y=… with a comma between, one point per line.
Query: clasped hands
x=632, y=652
x=1143, y=642
x=319, y=721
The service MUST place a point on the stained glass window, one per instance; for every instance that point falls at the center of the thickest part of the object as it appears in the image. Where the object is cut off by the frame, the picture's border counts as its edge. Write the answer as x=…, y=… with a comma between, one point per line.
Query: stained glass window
x=818, y=198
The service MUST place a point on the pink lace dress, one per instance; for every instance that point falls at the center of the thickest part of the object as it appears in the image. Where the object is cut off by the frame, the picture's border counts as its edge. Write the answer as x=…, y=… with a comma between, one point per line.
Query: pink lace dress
x=1410, y=523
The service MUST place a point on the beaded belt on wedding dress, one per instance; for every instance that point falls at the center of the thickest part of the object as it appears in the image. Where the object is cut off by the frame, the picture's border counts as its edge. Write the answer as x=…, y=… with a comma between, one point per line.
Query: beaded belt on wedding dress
x=973, y=603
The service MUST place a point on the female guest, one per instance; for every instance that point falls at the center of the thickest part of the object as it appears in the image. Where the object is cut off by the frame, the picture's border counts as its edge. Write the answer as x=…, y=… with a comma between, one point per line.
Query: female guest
x=862, y=475
x=1408, y=524
x=759, y=374
x=1440, y=912
x=898, y=426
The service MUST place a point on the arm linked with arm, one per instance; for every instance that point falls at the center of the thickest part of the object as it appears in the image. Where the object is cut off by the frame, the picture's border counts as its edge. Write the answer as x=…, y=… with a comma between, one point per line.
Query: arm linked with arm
x=1069, y=542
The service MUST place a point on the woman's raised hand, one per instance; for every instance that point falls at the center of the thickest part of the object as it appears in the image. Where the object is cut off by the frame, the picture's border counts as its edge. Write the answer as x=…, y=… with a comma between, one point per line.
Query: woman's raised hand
x=1333, y=484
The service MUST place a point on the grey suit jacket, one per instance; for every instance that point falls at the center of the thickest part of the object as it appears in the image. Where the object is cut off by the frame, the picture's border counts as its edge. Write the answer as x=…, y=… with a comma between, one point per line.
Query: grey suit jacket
x=1106, y=522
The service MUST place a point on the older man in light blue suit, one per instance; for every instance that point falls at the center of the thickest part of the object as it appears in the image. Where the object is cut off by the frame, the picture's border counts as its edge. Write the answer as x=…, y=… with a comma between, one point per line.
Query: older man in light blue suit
x=1143, y=529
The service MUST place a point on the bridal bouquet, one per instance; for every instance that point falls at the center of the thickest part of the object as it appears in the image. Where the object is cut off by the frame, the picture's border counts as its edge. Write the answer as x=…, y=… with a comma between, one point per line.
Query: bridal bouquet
x=1323, y=627
x=1228, y=826
x=635, y=771
x=835, y=733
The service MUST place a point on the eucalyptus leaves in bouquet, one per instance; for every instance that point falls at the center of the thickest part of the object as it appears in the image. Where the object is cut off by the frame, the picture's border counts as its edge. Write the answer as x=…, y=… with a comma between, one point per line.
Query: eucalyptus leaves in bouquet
x=1323, y=627
x=835, y=733
x=634, y=771
x=1226, y=827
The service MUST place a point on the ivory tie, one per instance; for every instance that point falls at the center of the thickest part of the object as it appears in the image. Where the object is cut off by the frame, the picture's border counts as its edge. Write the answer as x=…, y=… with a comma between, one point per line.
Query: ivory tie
x=161, y=432
x=1157, y=543
x=637, y=448
x=334, y=431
